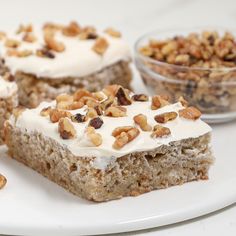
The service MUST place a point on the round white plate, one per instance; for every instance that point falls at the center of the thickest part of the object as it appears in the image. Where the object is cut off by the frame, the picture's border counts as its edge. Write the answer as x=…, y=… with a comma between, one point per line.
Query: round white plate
x=32, y=205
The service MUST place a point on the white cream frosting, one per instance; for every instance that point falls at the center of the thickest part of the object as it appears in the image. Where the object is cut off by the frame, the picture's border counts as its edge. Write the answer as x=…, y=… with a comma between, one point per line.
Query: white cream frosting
x=7, y=88
x=181, y=128
x=77, y=60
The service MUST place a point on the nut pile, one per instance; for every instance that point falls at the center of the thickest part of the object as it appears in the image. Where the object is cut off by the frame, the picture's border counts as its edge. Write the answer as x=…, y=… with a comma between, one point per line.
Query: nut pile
x=204, y=62
x=112, y=102
x=51, y=45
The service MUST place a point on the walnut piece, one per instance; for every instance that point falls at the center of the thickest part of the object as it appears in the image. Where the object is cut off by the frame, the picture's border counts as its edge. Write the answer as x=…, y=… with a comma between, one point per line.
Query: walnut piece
x=24, y=29
x=17, y=53
x=94, y=137
x=72, y=30
x=45, y=52
x=183, y=101
x=165, y=117
x=12, y=43
x=80, y=93
x=124, y=135
x=123, y=97
x=29, y=38
x=79, y=118
x=115, y=111
x=88, y=32
x=45, y=111
x=190, y=113
x=52, y=43
x=140, y=97
x=57, y=114
x=112, y=32
x=141, y=120
x=160, y=131
x=158, y=102
x=3, y=181
x=66, y=129
x=100, y=46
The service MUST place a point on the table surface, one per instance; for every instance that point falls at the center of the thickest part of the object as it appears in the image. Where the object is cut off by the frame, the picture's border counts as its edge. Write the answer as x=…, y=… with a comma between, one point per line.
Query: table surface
x=133, y=18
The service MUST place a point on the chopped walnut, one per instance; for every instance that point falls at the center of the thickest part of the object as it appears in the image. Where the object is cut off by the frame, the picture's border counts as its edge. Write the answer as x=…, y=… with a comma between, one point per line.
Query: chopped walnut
x=124, y=135
x=91, y=113
x=66, y=129
x=57, y=114
x=24, y=29
x=183, y=101
x=68, y=105
x=100, y=96
x=165, y=117
x=123, y=97
x=81, y=93
x=12, y=43
x=72, y=30
x=29, y=38
x=94, y=137
x=108, y=102
x=17, y=53
x=45, y=52
x=112, y=32
x=115, y=111
x=160, y=131
x=96, y=122
x=79, y=118
x=52, y=27
x=64, y=97
x=141, y=120
x=140, y=97
x=158, y=102
x=52, y=43
x=190, y=113
x=88, y=33
x=45, y=111
x=100, y=46
x=3, y=181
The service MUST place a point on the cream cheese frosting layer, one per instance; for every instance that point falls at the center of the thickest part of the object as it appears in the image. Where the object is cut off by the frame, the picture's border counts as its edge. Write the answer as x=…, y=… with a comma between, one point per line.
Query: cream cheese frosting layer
x=7, y=88
x=78, y=59
x=30, y=121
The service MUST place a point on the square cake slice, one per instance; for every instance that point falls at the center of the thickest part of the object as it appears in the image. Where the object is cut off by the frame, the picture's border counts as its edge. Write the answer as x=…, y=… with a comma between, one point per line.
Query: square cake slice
x=8, y=100
x=110, y=144
x=53, y=59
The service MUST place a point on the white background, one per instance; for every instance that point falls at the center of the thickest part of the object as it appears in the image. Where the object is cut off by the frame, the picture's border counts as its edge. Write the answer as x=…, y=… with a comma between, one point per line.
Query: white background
x=133, y=18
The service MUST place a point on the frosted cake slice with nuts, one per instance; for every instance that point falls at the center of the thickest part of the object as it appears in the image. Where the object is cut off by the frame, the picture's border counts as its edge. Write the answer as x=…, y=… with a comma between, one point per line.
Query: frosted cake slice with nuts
x=113, y=143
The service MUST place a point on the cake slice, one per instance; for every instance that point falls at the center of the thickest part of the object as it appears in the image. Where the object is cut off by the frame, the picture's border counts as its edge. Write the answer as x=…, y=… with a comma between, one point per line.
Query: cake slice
x=110, y=144
x=57, y=59
x=8, y=100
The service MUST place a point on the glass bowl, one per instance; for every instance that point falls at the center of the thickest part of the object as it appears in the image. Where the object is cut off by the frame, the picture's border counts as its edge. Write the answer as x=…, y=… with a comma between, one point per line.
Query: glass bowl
x=211, y=90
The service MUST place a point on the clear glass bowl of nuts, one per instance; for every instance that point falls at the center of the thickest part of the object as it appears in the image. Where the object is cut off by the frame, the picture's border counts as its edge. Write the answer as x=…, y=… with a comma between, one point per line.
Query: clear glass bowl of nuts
x=198, y=64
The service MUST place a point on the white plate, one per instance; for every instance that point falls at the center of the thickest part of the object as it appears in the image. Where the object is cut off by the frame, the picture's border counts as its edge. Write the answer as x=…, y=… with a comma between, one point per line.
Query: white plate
x=32, y=205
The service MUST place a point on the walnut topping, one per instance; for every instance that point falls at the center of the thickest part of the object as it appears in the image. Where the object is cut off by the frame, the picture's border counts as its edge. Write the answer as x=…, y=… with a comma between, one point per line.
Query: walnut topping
x=160, y=131
x=45, y=111
x=165, y=117
x=124, y=135
x=72, y=30
x=64, y=98
x=3, y=35
x=3, y=181
x=123, y=97
x=52, y=27
x=57, y=114
x=12, y=43
x=25, y=29
x=190, y=113
x=88, y=32
x=45, y=52
x=94, y=137
x=52, y=43
x=100, y=46
x=91, y=113
x=79, y=118
x=158, y=102
x=80, y=93
x=66, y=129
x=17, y=53
x=140, y=97
x=183, y=101
x=108, y=102
x=112, y=32
x=96, y=122
x=115, y=111
x=68, y=105
x=100, y=96
x=141, y=120
x=29, y=37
